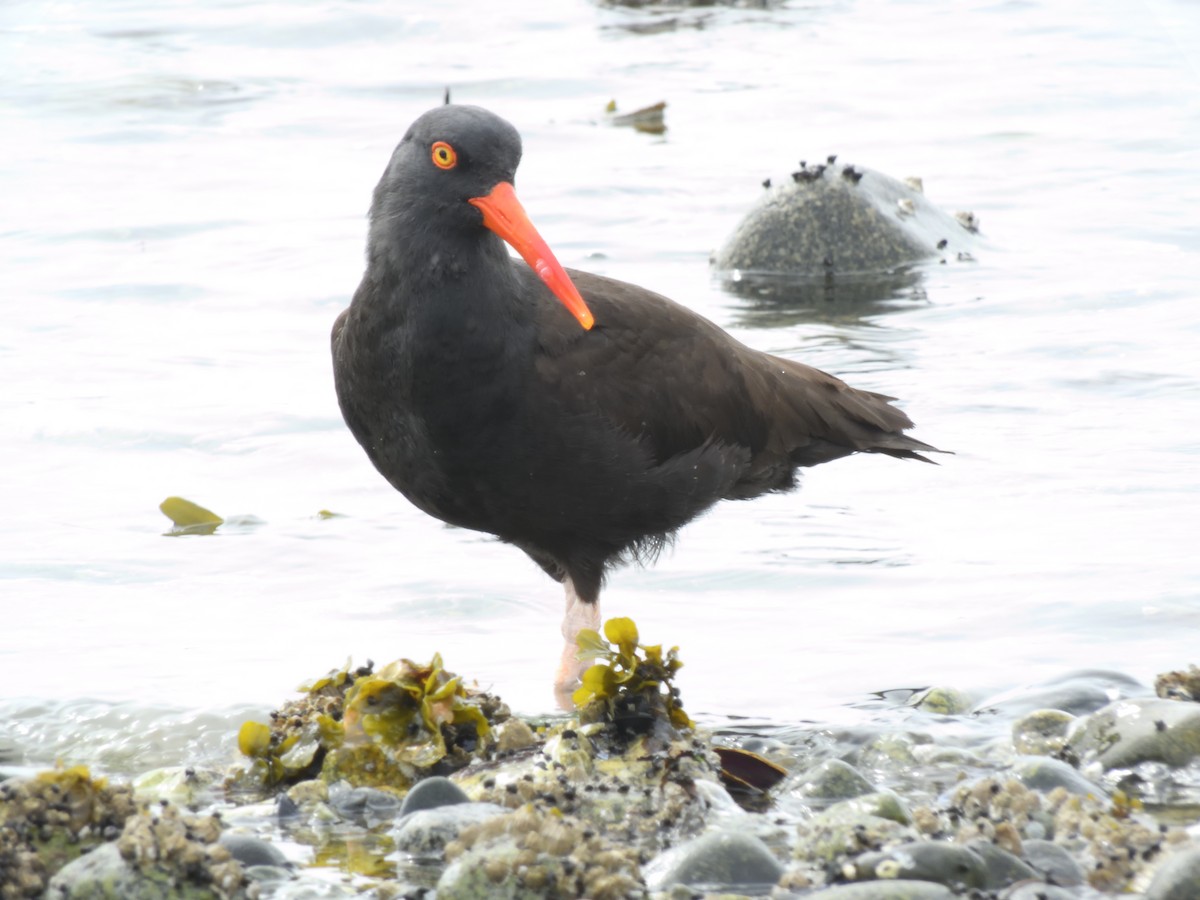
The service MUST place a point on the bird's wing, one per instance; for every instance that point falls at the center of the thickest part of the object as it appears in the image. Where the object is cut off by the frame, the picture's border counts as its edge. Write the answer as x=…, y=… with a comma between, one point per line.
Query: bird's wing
x=671, y=378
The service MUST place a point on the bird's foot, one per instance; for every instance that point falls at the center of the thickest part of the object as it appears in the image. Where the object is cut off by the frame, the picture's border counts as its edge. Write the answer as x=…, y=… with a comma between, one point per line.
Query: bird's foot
x=579, y=615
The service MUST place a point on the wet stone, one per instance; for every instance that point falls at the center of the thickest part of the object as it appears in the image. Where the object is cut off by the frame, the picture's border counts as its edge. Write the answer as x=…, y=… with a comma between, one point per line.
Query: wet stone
x=942, y=701
x=1077, y=694
x=426, y=832
x=433, y=792
x=1039, y=890
x=1129, y=732
x=952, y=865
x=1041, y=773
x=363, y=804
x=717, y=860
x=900, y=889
x=1041, y=732
x=1177, y=878
x=1052, y=862
x=252, y=851
x=1001, y=867
x=878, y=804
x=832, y=780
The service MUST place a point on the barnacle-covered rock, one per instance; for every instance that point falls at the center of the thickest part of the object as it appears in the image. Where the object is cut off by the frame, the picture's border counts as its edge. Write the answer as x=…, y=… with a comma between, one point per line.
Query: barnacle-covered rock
x=51, y=819
x=838, y=220
x=160, y=855
x=536, y=853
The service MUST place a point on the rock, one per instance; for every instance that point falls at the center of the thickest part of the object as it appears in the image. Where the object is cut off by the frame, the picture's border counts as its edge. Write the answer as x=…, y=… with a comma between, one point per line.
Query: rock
x=832, y=779
x=878, y=804
x=426, y=832
x=1041, y=773
x=942, y=701
x=718, y=860
x=885, y=890
x=253, y=851
x=1001, y=867
x=434, y=792
x=103, y=874
x=842, y=219
x=1038, y=890
x=366, y=805
x=1180, y=685
x=952, y=865
x=1052, y=862
x=1076, y=693
x=186, y=786
x=1129, y=732
x=532, y=853
x=1177, y=878
x=1041, y=732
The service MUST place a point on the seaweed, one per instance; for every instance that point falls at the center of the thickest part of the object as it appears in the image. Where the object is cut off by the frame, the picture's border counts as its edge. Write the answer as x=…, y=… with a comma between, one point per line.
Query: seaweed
x=632, y=685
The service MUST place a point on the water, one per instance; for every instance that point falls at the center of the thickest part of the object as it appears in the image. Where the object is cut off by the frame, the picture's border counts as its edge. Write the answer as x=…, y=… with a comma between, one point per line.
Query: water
x=184, y=196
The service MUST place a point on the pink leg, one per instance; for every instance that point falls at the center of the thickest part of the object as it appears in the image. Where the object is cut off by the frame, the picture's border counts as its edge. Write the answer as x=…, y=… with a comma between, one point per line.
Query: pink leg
x=578, y=615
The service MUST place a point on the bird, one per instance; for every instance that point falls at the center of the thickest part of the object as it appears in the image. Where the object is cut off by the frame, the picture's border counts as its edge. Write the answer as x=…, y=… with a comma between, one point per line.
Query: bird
x=579, y=418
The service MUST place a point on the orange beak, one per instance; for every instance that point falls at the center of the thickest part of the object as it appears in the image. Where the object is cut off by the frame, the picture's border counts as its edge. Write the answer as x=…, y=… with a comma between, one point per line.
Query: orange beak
x=503, y=214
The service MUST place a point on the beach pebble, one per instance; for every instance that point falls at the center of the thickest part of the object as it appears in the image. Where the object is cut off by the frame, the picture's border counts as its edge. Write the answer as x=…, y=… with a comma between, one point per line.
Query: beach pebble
x=899, y=889
x=1143, y=729
x=1052, y=862
x=832, y=779
x=426, y=832
x=717, y=860
x=949, y=864
x=1041, y=732
x=1041, y=773
x=433, y=792
x=1177, y=878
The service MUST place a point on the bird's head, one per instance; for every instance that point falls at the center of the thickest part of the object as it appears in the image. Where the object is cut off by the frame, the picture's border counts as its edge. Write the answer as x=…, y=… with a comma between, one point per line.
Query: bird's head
x=453, y=172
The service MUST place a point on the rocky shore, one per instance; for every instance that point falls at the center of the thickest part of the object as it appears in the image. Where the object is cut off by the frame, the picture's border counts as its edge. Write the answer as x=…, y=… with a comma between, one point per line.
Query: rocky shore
x=401, y=782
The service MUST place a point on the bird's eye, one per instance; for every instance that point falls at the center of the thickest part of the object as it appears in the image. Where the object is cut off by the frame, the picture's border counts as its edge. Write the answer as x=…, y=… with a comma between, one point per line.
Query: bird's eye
x=444, y=156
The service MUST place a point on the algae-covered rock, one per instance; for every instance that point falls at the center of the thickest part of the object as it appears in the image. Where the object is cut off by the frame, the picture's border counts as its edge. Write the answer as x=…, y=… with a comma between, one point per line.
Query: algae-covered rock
x=1041, y=732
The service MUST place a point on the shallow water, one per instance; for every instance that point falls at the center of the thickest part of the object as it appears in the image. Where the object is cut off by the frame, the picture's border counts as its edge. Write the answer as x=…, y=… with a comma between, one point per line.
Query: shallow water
x=184, y=215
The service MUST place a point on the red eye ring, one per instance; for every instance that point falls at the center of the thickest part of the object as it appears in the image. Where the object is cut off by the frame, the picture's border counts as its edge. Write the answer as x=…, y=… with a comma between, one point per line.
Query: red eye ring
x=443, y=155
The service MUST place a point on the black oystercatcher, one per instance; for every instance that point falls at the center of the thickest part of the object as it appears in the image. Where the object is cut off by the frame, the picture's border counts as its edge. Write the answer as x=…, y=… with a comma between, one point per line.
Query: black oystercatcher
x=586, y=431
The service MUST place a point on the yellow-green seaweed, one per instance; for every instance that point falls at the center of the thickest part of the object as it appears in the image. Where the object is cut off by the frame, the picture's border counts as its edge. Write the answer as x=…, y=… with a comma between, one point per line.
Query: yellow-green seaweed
x=189, y=517
x=629, y=688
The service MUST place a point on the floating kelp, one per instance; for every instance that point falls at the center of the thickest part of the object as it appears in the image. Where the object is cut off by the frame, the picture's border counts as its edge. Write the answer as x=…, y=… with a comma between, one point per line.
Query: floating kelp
x=189, y=517
x=632, y=690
